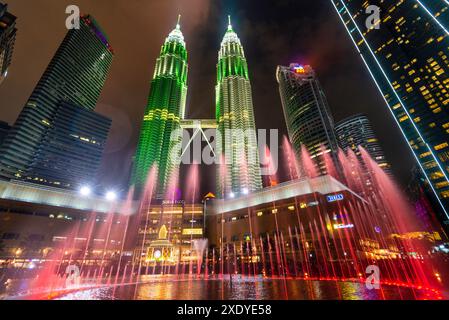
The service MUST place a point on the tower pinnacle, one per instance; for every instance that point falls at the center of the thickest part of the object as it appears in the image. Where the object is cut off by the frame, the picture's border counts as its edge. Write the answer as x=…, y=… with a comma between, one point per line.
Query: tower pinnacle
x=229, y=23
x=176, y=35
x=178, y=24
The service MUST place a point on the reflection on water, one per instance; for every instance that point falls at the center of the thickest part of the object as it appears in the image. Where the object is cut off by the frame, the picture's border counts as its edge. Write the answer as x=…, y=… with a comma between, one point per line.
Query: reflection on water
x=243, y=289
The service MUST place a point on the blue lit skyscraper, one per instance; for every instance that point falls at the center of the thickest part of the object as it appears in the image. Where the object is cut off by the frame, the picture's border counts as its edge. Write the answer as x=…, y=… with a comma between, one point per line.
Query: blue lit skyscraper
x=407, y=54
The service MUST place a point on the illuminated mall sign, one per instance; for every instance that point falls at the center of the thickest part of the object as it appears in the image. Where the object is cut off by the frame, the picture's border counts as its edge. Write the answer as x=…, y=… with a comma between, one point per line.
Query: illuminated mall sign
x=335, y=197
x=343, y=226
x=192, y=232
x=173, y=202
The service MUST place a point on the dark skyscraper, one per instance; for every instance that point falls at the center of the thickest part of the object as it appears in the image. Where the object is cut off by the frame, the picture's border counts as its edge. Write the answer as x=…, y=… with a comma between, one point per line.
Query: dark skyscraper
x=407, y=54
x=4, y=129
x=42, y=133
x=71, y=151
x=309, y=120
x=357, y=131
x=7, y=38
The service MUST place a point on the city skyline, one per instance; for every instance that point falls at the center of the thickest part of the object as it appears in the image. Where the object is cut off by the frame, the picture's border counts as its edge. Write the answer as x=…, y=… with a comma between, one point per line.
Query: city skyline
x=121, y=148
x=105, y=195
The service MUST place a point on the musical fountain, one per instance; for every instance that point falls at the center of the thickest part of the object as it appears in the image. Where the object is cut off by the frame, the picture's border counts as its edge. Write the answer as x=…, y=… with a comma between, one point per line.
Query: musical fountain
x=310, y=258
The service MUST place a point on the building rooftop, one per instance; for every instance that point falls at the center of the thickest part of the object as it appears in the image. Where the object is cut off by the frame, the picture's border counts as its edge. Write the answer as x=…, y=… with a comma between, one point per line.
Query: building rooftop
x=323, y=185
x=6, y=18
x=43, y=195
x=96, y=28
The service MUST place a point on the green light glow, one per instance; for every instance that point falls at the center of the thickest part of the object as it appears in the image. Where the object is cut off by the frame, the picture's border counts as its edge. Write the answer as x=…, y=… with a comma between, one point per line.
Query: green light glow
x=165, y=109
x=234, y=113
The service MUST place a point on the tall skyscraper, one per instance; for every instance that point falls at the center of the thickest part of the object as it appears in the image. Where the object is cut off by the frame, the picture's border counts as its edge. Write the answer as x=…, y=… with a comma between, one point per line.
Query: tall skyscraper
x=235, y=117
x=7, y=39
x=75, y=76
x=307, y=114
x=165, y=109
x=356, y=131
x=407, y=54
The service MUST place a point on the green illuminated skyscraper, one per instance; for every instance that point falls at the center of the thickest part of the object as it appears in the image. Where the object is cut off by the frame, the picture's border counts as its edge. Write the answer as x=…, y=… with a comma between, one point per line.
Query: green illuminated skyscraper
x=165, y=109
x=235, y=117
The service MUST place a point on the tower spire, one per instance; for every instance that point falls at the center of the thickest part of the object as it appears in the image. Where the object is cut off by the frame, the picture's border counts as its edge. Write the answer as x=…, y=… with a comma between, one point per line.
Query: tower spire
x=229, y=23
x=178, y=24
x=176, y=34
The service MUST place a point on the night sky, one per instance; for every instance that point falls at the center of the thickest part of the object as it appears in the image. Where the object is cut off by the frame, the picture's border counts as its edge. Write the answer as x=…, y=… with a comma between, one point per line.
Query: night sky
x=272, y=33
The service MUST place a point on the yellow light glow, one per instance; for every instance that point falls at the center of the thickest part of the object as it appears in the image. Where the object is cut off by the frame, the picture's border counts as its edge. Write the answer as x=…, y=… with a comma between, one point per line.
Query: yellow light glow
x=195, y=231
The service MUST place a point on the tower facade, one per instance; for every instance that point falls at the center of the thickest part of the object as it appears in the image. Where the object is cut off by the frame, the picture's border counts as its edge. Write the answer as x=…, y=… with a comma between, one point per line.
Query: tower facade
x=307, y=114
x=4, y=129
x=75, y=76
x=406, y=53
x=70, y=153
x=7, y=39
x=165, y=109
x=356, y=131
x=237, y=143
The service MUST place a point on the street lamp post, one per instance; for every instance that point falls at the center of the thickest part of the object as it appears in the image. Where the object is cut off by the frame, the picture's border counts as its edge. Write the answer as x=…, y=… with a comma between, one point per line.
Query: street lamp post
x=206, y=198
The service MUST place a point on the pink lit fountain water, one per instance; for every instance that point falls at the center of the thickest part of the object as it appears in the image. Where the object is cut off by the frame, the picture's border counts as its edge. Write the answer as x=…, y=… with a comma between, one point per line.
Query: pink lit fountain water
x=311, y=259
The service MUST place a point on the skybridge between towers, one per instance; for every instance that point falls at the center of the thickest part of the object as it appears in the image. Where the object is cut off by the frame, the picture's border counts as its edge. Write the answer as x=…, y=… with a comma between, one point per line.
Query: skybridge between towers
x=199, y=126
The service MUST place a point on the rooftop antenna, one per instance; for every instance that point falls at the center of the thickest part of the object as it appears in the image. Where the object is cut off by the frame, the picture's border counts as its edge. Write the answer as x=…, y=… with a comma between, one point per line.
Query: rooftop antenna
x=178, y=24
x=229, y=23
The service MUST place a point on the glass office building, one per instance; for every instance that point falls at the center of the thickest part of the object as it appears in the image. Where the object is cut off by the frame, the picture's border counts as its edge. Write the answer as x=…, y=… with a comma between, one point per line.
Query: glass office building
x=75, y=76
x=407, y=55
x=70, y=153
x=356, y=131
x=307, y=114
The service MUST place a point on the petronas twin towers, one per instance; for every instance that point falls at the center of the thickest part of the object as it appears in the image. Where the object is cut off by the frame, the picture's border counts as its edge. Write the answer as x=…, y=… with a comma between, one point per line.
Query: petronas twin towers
x=235, y=118
x=236, y=144
x=165, y=109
